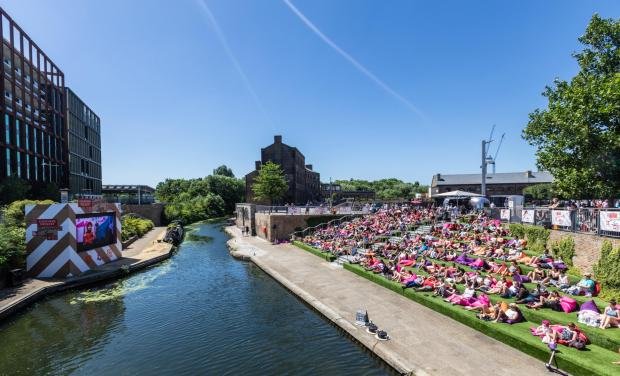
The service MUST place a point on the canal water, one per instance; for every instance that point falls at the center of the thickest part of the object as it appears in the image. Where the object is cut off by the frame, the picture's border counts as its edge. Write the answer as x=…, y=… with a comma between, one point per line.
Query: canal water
x=199, y=313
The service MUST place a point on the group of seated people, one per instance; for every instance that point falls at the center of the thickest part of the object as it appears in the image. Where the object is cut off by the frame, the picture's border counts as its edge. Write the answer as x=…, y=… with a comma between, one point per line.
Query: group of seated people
x=479, y=255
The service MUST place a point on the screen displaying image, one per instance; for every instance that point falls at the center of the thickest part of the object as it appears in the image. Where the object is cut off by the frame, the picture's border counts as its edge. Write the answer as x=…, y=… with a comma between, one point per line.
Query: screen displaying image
x=95, y=230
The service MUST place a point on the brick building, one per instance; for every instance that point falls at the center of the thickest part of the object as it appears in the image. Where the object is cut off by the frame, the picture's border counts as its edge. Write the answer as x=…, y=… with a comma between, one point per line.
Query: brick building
x=506, y=183
x=304, y=184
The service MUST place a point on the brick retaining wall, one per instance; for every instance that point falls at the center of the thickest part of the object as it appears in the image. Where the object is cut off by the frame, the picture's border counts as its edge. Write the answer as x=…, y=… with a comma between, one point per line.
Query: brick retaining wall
x=587, y=247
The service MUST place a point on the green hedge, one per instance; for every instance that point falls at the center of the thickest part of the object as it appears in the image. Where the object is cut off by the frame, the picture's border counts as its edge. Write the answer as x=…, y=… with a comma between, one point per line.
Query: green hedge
x=595, y=360
x=133, y=226
x=324, y=255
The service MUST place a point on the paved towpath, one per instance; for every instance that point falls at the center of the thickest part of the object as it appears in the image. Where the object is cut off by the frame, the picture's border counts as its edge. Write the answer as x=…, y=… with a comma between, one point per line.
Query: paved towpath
x=422, y=341
x=143, y=251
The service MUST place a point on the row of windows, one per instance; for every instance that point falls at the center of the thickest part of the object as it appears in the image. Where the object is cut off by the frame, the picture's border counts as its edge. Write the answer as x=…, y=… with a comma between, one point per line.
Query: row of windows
x=83, y=149
x=29, y=167
x=84, y=130
x=81, y=184
x=82, y=166
x=24, y=135
x=84, y=114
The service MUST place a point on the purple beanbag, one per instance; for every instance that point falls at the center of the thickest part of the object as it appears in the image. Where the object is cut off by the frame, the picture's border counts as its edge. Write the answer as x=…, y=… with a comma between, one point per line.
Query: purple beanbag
x=589, y=306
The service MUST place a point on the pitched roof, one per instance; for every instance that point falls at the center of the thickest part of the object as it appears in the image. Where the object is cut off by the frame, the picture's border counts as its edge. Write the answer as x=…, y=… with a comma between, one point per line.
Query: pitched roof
x=498, y=178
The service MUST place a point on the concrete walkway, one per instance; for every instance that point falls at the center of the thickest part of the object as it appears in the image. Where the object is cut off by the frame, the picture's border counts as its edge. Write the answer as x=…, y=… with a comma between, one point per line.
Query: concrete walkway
x=143, y=252
x=423, y=342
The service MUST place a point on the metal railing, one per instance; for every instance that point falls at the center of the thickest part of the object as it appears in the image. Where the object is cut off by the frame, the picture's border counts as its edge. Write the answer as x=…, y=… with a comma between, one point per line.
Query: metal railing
x=308, y=210
x=594, y=221
x=334, y=222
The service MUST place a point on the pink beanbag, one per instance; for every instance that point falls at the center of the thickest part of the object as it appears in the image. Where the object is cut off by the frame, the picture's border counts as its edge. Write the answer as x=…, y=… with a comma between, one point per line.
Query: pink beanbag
x=406, y=262
x=568, y=304
x=479, y=263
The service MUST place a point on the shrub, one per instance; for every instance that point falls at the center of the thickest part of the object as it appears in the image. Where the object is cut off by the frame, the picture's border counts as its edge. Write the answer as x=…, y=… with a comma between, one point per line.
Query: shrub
x=564, y=249
x=607, y=270
x=134, y=226
x=537, y=247
x=517, y=230
x=534, y=233
x=13, y=233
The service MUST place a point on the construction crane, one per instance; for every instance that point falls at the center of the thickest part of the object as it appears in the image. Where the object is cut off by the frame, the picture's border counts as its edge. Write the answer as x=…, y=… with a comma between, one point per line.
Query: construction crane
x=501, y=140
x=487, y=159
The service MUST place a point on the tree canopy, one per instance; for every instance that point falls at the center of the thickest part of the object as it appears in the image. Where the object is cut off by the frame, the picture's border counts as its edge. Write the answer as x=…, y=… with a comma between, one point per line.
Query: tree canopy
x=270, y=183
x=578, y=135
x=224, y=171
x=193, y=200
x=385, y=189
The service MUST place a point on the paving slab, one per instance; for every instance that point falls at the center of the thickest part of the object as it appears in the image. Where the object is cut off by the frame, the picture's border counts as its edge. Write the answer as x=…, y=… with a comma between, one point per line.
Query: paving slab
x=423, y=342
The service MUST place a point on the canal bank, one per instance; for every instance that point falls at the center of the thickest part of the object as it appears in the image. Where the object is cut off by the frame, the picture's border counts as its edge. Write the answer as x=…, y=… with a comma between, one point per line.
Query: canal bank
x=422, y=342
x=201, y=312
x=144, y=252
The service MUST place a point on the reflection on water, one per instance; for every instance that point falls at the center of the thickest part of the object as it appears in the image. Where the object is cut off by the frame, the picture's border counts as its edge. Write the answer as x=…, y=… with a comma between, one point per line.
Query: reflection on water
x=200, y=312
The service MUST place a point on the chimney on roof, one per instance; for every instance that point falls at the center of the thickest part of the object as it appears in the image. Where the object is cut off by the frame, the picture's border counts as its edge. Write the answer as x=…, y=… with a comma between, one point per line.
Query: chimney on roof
x=438, y=176
x=277, y=139
x=528, y=174
x=309, y=167
x=257, y=165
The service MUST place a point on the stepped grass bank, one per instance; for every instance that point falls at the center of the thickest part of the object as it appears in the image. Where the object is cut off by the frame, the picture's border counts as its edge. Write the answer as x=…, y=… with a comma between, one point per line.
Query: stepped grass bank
x=595, y=360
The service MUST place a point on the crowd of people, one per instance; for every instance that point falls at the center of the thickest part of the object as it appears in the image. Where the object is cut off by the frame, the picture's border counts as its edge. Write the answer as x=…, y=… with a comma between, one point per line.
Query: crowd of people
x=466, y=262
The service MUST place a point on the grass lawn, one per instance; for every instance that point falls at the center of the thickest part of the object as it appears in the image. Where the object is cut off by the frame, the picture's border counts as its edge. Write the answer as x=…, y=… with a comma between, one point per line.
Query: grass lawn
x=595, y=360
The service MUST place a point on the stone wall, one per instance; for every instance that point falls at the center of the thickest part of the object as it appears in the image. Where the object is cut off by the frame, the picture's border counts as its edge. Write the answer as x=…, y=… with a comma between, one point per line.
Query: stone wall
x=587, y=247
x=244, y=216
x=154, y=212
x=281, y=226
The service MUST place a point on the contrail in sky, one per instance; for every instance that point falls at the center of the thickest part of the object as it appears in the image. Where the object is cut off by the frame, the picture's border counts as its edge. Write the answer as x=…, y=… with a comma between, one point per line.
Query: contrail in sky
x=222, y=38
x=352, y=60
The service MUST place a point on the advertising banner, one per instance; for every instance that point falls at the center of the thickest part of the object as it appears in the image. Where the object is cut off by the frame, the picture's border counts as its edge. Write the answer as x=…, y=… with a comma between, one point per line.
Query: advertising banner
x=527, y=215
x=504, y=214
x=610, y=220
x=561, y=218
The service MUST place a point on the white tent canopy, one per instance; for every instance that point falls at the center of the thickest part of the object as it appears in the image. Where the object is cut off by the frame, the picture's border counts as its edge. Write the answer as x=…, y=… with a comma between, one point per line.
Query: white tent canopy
x=458, y=194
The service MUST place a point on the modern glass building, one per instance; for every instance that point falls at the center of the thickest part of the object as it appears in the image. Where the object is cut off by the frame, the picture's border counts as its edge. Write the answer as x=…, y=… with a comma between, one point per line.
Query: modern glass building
x=33, y=132
x=84, y=147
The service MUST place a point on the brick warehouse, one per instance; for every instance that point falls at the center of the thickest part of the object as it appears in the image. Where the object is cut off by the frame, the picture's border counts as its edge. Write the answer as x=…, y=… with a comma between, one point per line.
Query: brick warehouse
x=304, y=184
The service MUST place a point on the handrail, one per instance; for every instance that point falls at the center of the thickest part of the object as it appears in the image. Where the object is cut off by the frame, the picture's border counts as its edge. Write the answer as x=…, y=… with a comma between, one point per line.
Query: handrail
x=304, y=232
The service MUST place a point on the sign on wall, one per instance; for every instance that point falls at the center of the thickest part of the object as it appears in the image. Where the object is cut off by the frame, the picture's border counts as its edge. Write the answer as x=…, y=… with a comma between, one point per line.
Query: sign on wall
x=561, y=218
x=52, y=239
x=527, y=215
x=504, y=214
x=610, y=220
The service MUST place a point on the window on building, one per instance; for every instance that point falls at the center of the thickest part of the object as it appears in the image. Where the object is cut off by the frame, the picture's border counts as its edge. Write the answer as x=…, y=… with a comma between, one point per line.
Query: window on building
x=28, y=166
x=86, y=132
x=36, y=168
x=8, y=162
x=27, y=135
x=19, y=162
x=17, y=133
x=7, y=127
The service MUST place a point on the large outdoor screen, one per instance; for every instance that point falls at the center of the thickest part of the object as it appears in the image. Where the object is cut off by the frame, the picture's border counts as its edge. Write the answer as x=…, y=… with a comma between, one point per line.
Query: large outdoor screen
x=95, y=230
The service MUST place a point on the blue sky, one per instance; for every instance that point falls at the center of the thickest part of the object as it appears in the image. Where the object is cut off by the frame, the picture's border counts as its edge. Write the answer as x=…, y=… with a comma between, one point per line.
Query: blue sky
x=176, y=102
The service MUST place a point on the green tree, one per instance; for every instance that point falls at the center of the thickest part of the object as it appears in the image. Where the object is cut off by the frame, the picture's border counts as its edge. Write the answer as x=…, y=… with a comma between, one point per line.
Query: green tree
x=169, y=189
x=540, y=191
x=13, y=189
x=224, y=171
x=231, y=190
x=578, y=134
x=45, y=191
x=270, y=183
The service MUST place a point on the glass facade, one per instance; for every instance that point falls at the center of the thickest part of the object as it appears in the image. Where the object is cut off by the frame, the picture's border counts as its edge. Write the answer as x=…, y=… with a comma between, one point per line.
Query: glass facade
x=33, y=134
x=84, y=147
